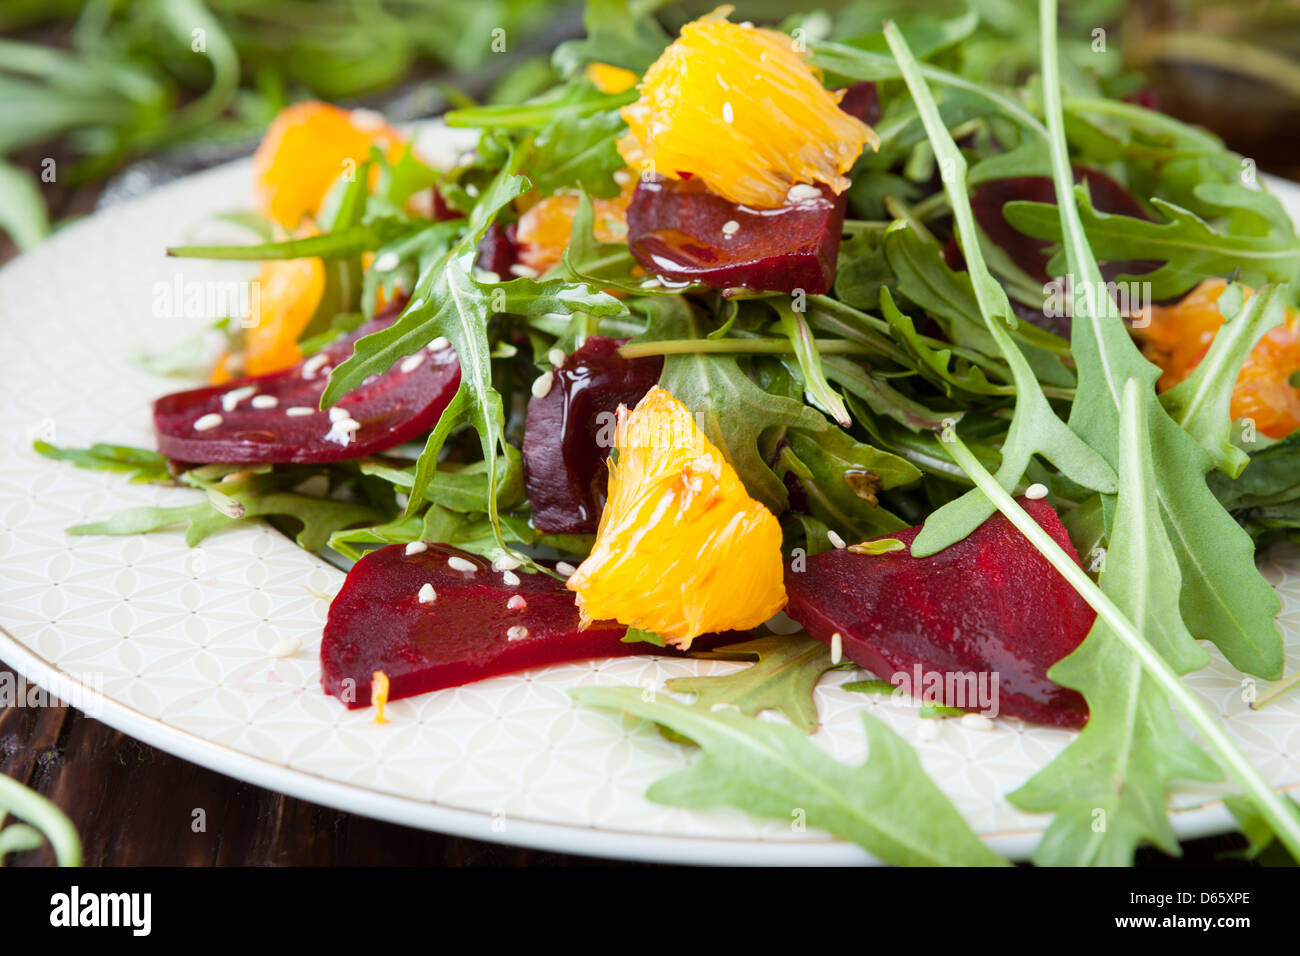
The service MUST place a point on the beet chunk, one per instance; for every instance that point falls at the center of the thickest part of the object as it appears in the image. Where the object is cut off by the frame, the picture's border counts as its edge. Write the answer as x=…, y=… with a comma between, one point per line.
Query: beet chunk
x=990, y=604
x=497, y=250
x=276, y=418
x=679, y=230
x=564, y=463
x=475, y=623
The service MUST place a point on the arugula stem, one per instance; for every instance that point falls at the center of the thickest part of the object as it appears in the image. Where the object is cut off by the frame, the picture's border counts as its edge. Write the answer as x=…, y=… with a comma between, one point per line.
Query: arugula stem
x=1281, y=815
x=738, y=346
x=43, y=815
x=1277, y=691
x=1136, y=115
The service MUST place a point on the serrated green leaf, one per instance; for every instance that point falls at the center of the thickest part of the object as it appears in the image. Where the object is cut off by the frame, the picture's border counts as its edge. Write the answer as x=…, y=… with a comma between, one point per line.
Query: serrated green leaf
x=142, y=464
x=887, y=805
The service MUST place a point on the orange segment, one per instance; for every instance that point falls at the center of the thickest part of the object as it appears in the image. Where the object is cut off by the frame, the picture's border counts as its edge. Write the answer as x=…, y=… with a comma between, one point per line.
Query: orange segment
x=289, y=290
x=736, y=106
x=681, y=548
x=305, y=150
x=610, y=79
x=544, y=229
x=1179, y=335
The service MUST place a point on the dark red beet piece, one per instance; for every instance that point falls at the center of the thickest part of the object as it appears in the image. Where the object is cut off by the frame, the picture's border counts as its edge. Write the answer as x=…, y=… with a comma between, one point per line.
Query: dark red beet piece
x=675, y=229
x=863, y=101
x=564, y=463
x=377, y=622
x=221, y=423
x=497, y=250
x=991, y=604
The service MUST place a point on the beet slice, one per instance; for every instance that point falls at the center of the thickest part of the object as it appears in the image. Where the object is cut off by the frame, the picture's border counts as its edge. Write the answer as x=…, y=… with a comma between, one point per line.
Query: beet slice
x=377, y=622
x=497, y=250
x=990, y=604
x=677, y=229
x=564, y=462
x=230, y=423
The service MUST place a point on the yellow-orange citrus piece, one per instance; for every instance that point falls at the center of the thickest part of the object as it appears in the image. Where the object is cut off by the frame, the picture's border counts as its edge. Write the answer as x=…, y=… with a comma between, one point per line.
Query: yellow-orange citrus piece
x=610, y=79
x=737, y=107
x=289, y=290
x=681, y=548
x=305, y=150
x=1178, y=336
x=544, y=230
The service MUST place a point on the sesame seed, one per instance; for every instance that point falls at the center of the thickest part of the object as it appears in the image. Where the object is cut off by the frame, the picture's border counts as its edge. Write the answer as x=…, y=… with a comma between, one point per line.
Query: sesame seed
x=556, y=357
x=927, y=730
x=1036, y=491
x=542, y=386
x=387, y=262
x=284, y=647
x=338, y=413
x=516, y=603
x=235, y=396
x=976, y=722
x=837, y=647
x=505, y=563
x=802, y=192
x=517, y=633
x=416, y=547
x=728, y=114
x=834, y=539
x=368, y=120
x=510, y=578
x=438, y=344
x=427, y=594
x=457, y=563
x=313, y=365
x=412, y=362
x=651, y=283
x=346, y=425
x=526, y=272
x=622, y=177
x=565, y=568
x=730, y=227
x=264, y=401
x=204, y=422
x=298, y=411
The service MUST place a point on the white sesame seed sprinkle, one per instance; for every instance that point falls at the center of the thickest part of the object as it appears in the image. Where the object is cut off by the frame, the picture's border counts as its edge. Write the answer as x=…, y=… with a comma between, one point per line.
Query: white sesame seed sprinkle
x=438, y=344
x=505, y=563
x=367, y=120
x=416, y=547
x=651, y=283
x=516, y=603
x=457, y=563
x=728, y=114
x=556, y=357
x=204, y=422
x=264, y=401
x=976, y=722
x=427, y=594
x=510, y=578
x=802, y=192
x=412, y=362
x=526, y=272
x=314, y=365
x=284, y=647
x=338, y=413
x=835, y=539
x=516, y=633
x=298, y=411
x=837, y=647
x=542, y=385
x=387, y=262
x=927, y=730
x=235, y=396
x=1036, y=491
x=565, y=568
x=730, y=227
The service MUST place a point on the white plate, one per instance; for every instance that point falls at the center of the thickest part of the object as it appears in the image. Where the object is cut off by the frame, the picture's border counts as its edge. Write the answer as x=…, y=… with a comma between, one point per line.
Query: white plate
x=171, y=645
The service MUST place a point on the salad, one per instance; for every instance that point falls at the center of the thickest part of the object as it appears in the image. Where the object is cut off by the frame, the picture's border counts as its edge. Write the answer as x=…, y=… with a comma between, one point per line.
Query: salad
x=825, y=344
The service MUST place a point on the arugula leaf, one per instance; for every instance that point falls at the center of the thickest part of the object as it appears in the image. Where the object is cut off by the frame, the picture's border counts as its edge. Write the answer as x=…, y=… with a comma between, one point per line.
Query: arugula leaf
x=1224, y=597
x=727, y=405
x=143, y=464
x=1189, y=247
x=785, y=672
x=1107, y=788
x=1035, y=429
x=819, y=392
x=1201, y=403
x=581, y=151
x=888, y=805
x=621, y=33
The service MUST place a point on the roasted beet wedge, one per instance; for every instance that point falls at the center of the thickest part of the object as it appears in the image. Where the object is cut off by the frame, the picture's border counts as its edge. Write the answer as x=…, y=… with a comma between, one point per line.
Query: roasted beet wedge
x=497, y=250
x=276, y=418
x=564, y=462
x=470, y=623
x=677, y=229
x=989, y=605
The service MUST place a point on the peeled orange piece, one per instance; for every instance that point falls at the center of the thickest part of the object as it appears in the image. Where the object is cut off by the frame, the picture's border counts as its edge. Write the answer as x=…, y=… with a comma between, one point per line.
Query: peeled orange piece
x=1179, y=335
x=544, y=230
x=305, y=150
x=610, y=79
x=681, y=548
x=289, y=290
x=737, y=107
